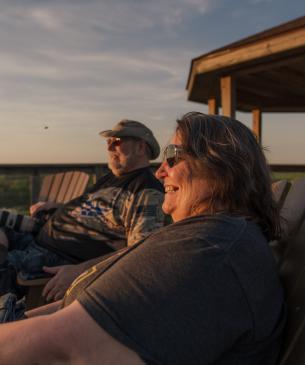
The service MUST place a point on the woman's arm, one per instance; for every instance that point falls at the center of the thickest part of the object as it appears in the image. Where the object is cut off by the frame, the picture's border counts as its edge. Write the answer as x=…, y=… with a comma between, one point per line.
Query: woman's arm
x=43, y=310
x=69, y=336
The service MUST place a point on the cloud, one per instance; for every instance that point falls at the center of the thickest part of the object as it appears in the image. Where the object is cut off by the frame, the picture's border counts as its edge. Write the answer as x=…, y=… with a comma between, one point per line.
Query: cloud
x=116, y=17
x=255, y=2
x=45, y=18
x=25, y=66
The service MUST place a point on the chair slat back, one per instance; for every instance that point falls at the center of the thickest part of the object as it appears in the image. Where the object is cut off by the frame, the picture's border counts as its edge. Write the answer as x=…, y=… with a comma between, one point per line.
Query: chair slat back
x=292, y=272
x=45, y=188
x=293, y=261
x=77, y=186
x=82, y=182
x=63, y=186
x=56, y=186
x=293, y=209
x=280, y=189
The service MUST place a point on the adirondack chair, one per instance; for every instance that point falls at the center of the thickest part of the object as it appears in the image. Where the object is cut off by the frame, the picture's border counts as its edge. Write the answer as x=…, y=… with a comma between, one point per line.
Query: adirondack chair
x=292, y=273
x=290, y=252
x=280, y=189
x=292, y=215
x=60, y=188
x=293, y=209
x=293, y=244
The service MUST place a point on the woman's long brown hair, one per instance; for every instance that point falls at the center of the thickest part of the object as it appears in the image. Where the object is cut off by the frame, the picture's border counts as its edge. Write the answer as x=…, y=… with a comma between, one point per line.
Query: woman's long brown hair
x=230, y=156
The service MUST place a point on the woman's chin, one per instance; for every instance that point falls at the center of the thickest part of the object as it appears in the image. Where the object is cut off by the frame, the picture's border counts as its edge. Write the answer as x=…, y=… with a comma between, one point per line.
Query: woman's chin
x=166, y=208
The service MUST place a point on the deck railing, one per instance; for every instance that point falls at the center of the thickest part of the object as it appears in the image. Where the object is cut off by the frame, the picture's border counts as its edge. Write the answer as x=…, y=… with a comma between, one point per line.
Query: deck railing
x=95, y=170
x=36, y=171
x=287, y=168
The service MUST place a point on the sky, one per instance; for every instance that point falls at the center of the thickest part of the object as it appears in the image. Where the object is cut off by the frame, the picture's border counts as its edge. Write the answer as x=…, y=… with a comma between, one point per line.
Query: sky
x=72, y=68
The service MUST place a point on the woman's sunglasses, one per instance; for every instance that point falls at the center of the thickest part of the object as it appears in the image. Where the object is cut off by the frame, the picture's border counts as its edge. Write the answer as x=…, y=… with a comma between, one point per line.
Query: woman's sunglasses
x=173, y=154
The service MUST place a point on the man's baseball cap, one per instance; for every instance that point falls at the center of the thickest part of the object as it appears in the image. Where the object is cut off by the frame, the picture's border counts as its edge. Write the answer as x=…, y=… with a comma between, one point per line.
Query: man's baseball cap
x=131, y=128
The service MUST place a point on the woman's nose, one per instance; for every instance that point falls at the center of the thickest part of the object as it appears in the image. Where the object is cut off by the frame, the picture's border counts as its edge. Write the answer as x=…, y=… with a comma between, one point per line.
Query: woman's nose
x=161, y=172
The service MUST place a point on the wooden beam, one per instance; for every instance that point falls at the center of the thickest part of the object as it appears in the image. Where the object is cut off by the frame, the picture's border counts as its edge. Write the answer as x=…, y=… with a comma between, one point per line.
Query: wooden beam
x=270, y=64
x=228, y=96
x=249, y=99
x=287, y=42
x=276, y=81
x=213, y=106
x=257, y=123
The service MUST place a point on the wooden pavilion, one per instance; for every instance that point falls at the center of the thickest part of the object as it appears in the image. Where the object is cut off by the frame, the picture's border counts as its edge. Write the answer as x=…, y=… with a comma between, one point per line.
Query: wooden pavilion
x=262, y=73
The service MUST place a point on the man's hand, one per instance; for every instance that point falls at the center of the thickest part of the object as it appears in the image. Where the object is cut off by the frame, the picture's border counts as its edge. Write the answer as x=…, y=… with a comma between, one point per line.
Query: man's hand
x=63, y=277
x=35, y=208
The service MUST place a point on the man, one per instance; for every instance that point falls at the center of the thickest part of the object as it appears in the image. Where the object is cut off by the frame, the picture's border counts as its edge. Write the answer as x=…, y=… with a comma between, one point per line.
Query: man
x=121, y=209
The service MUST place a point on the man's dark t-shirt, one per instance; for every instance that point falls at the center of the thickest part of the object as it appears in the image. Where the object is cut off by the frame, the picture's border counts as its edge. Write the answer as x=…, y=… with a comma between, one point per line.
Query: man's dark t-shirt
x=200, y=291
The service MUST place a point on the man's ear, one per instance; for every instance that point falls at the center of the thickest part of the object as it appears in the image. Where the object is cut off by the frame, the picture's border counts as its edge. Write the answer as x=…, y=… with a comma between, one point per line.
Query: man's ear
x=142, y=147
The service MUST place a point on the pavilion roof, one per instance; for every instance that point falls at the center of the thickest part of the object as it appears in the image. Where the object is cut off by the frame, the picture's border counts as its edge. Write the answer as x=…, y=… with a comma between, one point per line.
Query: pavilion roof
x=268, y=70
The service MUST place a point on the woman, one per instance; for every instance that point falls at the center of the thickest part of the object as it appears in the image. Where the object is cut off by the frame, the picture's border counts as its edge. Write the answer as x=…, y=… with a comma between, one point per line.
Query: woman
x=203, y=290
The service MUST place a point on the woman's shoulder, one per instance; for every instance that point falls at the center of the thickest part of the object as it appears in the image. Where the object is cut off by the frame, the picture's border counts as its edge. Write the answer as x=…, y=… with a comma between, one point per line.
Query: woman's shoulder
x=215, y=230
x=208, y=224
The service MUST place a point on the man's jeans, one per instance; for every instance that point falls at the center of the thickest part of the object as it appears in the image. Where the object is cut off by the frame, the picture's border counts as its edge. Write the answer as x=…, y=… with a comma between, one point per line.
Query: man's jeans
x=28, y=257
x=11, y=309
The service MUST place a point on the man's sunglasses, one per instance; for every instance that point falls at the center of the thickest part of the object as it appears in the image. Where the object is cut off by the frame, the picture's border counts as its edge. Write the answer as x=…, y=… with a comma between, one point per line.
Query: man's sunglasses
x=173, y=154
x=117, y=141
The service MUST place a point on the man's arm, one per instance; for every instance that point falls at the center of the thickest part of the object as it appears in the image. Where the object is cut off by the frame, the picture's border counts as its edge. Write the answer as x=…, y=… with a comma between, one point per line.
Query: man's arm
x=37, y=207
x=59, y=339
x=145, y=215
x=64, y=276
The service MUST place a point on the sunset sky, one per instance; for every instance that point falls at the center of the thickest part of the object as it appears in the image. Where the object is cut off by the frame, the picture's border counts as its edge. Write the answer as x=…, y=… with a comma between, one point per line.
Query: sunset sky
x=69, y=69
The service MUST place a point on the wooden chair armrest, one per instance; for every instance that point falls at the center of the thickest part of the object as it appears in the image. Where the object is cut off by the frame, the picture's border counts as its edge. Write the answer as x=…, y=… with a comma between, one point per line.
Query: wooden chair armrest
x=34, y=293
x=32, y=282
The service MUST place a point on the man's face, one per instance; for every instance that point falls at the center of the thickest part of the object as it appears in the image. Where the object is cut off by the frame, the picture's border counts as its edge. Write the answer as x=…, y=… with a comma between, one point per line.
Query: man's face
x=123, y=154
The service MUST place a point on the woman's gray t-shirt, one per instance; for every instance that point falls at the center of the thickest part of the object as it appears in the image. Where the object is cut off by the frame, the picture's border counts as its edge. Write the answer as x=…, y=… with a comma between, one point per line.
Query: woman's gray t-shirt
x=201, y=291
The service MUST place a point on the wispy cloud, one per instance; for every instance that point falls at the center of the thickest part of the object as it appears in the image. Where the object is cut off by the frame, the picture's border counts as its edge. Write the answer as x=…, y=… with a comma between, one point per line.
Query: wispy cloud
x=46, y=18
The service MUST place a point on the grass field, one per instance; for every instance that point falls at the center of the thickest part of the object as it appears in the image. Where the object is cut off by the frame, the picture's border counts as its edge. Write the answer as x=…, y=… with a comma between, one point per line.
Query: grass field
x=15, y=193
x=287, y=175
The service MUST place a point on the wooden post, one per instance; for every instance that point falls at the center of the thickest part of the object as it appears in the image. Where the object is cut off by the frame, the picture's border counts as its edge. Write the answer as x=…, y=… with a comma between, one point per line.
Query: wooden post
x=99, y=171
x=213, y=106
x=257, y=123
x=227, y=87
x=34, y=187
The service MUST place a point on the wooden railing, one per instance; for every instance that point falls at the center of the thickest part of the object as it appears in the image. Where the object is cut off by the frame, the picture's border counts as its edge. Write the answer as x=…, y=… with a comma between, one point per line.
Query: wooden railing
x=40, y=169
x=95, y=170
x=288, y=168
x=36, y=171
